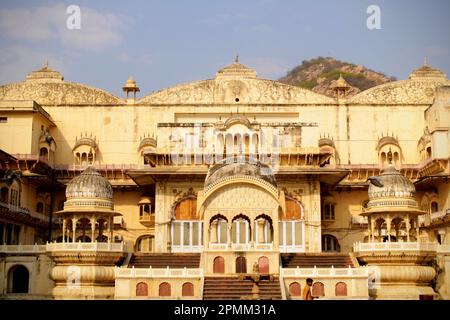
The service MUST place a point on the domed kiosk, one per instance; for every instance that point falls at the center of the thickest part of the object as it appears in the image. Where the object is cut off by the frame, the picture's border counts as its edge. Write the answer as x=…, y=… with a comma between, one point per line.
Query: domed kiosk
x=85, y=257
x=399, y=263
x=89, y=206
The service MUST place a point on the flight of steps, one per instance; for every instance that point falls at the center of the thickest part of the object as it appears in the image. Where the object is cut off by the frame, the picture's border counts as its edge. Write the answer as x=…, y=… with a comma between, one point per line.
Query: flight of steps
x=164, y=260
x=231, y=288
x=322, y=260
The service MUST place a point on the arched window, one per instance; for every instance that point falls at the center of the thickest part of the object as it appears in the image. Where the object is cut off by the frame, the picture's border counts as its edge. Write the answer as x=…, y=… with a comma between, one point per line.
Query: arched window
x=18, y=279
x=218, y=229
x=187, y=290
x=240, y=230
x=186, y=209
x=263, y=229
x=43, y=153
x=83, y=239
x=434, y=206
x=291, y=227
x=330, y=243
x=102, y=238
x=186, y=230
x=141, y=289
x=84, y=158
x=318, y=289
x=164, y=290
x=341, y=289
x=145, y=244
x=228, y=145
x=255, y=142
x=246, y=144
x=40, y=207
x=220, y=145
x=4, y=194
x=219, y=265
x=90, y=158
x=428, y=152
x=295, y=289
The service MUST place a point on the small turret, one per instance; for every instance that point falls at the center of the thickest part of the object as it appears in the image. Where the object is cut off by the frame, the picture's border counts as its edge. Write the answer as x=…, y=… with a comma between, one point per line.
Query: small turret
x=130, y=86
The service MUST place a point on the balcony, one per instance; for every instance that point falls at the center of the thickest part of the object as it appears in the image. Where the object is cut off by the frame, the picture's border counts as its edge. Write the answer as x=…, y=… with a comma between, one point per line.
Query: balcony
x=24, y=215
x=433, y=218
x=147, y=219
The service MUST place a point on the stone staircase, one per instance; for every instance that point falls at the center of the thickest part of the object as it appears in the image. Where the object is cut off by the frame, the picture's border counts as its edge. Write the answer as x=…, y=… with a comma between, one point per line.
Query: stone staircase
x=232, y=288
x=320, y=260
x=164, y=260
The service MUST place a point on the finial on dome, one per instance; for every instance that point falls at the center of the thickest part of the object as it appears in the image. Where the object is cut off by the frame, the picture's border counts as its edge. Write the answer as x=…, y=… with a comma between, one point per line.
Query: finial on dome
x=425, y=61
x=46, y=63
x=236, y=59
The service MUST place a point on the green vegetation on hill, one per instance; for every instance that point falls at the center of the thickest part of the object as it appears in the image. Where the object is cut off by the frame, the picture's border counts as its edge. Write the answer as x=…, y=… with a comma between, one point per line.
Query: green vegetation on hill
x=318, y=74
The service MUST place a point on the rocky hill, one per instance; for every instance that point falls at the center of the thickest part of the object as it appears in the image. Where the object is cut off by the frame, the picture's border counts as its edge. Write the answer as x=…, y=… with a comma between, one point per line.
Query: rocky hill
x=320, y=73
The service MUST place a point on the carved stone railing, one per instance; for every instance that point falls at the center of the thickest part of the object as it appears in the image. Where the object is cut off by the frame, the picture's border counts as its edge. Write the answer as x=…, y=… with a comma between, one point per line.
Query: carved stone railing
x=393, y=246
x=317, y=273
x=158, y=272
x=34, y=248
x=291, y=248
x=86, y=246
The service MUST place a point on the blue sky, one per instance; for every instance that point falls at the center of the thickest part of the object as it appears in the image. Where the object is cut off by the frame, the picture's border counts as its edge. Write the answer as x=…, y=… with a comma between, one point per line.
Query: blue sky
x=163, y=43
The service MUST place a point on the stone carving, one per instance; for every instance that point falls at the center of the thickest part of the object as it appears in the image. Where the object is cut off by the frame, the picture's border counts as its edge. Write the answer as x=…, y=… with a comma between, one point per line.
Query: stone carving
x=57, y=93
x=228, y=90
x=243, y=198
x=400, y=92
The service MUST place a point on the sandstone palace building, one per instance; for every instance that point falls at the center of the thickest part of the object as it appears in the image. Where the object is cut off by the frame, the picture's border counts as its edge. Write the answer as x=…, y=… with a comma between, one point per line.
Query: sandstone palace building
x=235, y=187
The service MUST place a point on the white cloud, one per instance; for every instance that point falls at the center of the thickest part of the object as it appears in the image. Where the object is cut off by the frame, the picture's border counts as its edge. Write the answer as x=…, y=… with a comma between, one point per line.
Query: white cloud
x=98, y=30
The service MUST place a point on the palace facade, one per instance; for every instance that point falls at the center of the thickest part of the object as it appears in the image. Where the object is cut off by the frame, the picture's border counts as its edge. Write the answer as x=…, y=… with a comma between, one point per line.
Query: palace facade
x=235, y=187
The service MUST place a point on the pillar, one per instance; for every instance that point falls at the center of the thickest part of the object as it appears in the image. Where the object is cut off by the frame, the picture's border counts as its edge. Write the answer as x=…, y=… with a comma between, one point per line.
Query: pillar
x=64, y=231
x=407, y=228
x=213, y=235
x=388, y=228
x=111, y=227
x=92, y=229
x=74, y=228
x=260, y=225
x=372, y=228
x=417, y=228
